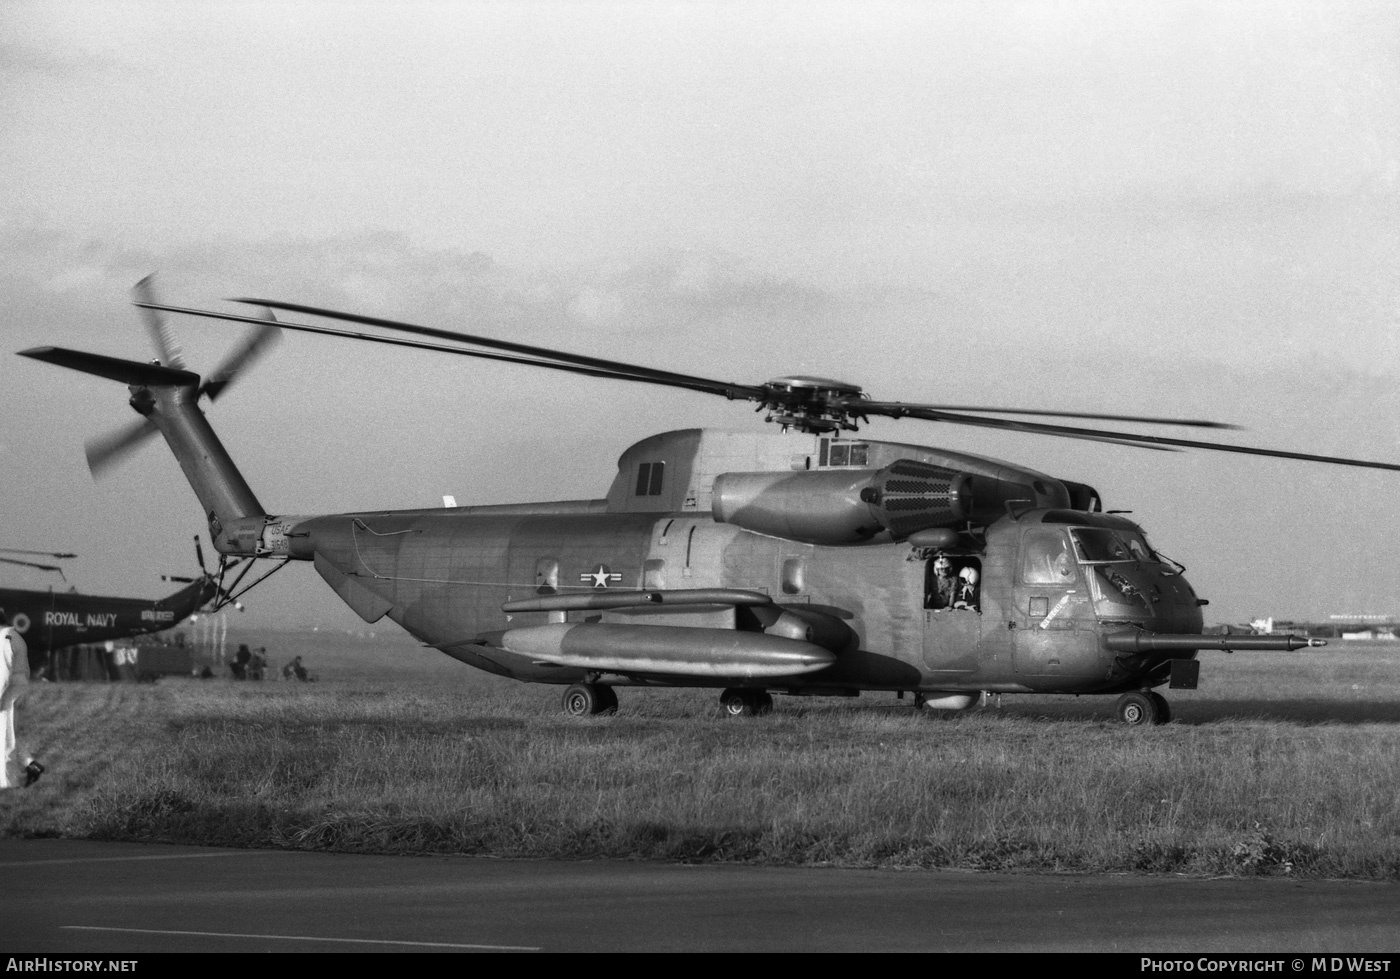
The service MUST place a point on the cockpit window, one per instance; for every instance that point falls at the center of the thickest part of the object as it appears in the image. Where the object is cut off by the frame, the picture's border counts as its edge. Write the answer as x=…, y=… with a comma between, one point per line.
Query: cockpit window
x=1096, y=545
x=1046, y=558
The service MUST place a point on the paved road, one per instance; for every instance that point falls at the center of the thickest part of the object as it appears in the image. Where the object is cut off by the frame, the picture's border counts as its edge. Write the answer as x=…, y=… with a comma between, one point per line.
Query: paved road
x=81, y=896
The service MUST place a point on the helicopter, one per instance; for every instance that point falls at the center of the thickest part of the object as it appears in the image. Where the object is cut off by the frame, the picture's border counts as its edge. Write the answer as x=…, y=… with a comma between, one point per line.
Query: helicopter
x=805, y=561
x=50, y=619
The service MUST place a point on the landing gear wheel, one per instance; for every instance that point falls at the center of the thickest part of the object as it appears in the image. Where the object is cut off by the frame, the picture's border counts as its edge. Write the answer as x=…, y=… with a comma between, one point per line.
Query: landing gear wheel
x=1137, y=709
x=1164, y=709
x=584, y=699
x=738, y=702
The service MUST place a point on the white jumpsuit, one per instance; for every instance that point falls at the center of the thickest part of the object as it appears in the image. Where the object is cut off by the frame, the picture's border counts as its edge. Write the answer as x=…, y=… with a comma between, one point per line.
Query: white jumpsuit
x=14, y=677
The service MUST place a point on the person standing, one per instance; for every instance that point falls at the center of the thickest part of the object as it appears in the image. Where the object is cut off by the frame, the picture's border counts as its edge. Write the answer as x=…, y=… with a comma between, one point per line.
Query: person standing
x=14, y=678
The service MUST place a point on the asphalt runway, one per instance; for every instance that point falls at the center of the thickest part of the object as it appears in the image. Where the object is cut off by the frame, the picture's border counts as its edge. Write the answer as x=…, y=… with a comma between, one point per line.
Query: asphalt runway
x=78, y=896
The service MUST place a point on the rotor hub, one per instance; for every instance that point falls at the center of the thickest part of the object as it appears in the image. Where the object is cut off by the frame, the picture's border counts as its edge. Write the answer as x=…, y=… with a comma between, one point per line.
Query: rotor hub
x=812, y=404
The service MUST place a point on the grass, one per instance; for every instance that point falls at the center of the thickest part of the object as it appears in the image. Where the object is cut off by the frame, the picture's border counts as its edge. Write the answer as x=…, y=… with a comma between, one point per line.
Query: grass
x=1283, y=763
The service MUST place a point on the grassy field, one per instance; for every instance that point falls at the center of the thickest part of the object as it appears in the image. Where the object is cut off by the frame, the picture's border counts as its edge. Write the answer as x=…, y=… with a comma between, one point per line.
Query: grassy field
x=1282, y=763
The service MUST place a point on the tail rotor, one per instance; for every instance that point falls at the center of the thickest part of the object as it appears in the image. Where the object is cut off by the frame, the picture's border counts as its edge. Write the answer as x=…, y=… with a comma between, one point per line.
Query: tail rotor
x=107, y=451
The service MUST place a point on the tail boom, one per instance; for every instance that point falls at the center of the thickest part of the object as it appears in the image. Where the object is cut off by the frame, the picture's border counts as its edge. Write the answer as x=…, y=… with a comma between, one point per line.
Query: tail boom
x=168, y=398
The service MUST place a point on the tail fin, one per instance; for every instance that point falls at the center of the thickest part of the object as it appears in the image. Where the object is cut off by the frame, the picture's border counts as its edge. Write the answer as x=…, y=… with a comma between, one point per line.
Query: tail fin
x=167, y=398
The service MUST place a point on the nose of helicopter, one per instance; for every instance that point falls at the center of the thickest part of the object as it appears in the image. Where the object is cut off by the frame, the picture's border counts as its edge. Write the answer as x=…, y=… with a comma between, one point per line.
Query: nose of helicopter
x=1157, y=597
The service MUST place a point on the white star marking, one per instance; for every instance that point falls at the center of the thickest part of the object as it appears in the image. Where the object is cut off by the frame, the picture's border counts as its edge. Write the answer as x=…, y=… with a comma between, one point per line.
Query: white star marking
x=600, y=576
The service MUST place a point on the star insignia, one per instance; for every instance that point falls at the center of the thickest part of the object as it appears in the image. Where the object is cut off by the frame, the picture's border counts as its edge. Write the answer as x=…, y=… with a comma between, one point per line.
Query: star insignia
x=600, y=576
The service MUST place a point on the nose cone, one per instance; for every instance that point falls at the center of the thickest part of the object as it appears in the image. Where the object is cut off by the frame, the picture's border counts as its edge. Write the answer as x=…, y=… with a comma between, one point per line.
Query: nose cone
x=1179, y=610
x=1158, y=598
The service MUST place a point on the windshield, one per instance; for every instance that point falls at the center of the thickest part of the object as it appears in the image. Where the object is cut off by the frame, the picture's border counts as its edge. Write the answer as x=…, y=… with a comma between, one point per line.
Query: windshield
x=1095, y=545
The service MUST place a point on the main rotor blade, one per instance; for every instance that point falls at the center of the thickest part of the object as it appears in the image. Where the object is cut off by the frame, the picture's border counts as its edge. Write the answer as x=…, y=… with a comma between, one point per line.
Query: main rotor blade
x=254, y=344
x=31, y=564
x=108, y=450
x=708, y=387
x=54, y=554
x=896, y=410
x=1135, y=419
x=166, y=346
x=731, y=390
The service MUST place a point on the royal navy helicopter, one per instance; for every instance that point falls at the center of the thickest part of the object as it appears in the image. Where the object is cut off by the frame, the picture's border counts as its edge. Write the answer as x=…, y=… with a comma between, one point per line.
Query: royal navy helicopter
x=805, y=561
x=51, y=618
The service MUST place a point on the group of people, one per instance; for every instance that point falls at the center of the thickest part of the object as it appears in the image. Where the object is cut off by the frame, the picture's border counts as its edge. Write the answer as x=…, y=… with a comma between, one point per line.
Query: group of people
x=948, y=587
x=250, y=665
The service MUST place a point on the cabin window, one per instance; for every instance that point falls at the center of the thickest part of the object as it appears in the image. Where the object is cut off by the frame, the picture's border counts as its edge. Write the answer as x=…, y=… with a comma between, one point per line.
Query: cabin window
x=649, y=478
x=793, y=582
x=1046, y=559
x=953, y=583
x=844, y=453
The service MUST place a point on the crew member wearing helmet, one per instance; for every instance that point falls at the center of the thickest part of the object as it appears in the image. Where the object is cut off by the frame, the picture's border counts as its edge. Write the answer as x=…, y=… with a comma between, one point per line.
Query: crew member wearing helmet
x=967, y=588
x=943, y=585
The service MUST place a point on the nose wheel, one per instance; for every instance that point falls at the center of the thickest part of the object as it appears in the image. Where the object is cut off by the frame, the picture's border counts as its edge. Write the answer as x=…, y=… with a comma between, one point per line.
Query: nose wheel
x=1143, y=707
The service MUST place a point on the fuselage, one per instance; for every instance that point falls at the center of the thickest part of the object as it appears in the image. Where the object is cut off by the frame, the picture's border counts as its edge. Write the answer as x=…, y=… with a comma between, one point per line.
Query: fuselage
x=1048, y=582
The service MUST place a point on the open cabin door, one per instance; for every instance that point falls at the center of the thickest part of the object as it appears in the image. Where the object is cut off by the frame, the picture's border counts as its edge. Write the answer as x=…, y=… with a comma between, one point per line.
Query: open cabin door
x=952, y=613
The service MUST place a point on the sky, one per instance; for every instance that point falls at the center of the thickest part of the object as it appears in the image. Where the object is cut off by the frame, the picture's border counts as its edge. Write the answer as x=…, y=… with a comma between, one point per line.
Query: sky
x=1166, y=208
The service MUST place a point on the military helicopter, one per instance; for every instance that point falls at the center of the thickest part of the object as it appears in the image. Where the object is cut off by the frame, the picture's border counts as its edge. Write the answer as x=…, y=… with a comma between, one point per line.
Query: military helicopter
x=804, y=562
x=51, y=619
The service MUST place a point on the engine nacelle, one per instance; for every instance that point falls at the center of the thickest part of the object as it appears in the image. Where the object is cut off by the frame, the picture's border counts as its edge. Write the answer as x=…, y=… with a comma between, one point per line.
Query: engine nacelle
x=845, y=506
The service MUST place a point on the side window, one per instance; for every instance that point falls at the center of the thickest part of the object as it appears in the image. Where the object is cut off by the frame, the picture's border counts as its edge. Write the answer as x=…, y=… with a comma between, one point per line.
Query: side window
x=1046, y=559
x=844, y=453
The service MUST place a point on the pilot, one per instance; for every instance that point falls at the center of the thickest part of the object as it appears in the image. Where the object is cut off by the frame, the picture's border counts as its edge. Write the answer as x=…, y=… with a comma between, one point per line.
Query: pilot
x=943, y=587
x=14, y=677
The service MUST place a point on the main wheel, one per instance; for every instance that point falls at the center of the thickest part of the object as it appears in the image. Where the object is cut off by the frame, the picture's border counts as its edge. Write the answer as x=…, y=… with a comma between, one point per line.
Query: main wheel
x=583, y=699
x=737, y=702
x=1137, y=709
x=1164, y=709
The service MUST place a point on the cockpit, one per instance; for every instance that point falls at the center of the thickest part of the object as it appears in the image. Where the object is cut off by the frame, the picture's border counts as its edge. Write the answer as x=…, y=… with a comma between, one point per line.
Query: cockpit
x=1108, y=560
x=1102, y=545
